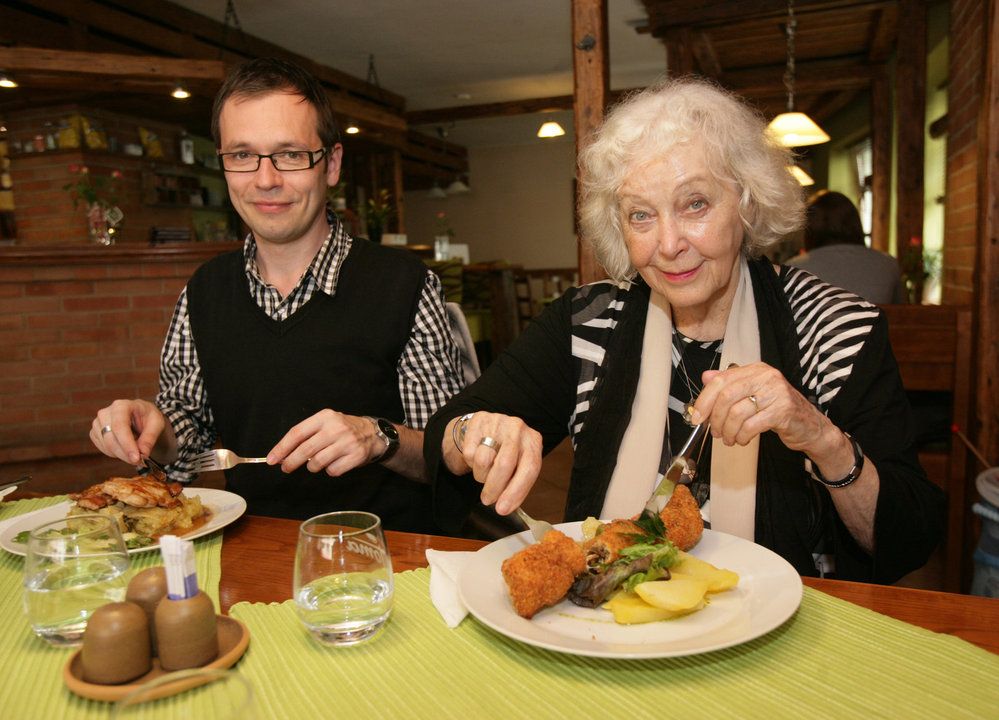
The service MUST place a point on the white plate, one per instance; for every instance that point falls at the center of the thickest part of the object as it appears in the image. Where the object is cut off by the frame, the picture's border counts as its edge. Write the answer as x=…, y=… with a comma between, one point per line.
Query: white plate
x=768, y=593
x=224, y=506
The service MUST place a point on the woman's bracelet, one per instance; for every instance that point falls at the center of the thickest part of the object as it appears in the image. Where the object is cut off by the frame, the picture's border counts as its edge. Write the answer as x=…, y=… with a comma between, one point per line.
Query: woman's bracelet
x=458, y=430
x=850, y=477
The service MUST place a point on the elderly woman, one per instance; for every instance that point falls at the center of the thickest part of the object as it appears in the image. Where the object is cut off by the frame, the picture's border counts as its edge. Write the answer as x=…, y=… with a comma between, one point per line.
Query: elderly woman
x=810, y=450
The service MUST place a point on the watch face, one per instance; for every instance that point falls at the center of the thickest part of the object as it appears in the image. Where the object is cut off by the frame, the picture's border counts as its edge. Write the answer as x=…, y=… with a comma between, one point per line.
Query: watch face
x=388, y=429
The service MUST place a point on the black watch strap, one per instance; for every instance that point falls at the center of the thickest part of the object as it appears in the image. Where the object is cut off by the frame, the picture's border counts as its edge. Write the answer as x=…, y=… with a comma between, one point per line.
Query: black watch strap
x=388, y=433
x=858, y=466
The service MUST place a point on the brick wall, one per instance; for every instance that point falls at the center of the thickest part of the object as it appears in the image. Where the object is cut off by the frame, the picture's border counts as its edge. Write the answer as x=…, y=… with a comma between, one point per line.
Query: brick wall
x=78, y=329
x=964, y=97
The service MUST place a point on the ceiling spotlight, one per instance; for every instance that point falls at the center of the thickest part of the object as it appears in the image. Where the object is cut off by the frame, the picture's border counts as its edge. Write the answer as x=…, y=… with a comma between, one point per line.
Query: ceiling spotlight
x=7, y=81
x=180, y=92
x=803, y=178
x=550, y=129
x=352, y=129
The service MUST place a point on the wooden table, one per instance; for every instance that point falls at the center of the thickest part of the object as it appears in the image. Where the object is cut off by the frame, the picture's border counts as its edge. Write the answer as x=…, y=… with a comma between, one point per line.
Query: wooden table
x=258, y=556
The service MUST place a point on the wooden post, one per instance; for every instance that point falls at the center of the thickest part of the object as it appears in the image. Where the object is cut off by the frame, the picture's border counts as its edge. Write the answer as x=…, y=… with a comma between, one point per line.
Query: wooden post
x=880, y=160
x=679, y=57
x=591, y=88
x=397, y=192
x=987, y=281
x=910, y=95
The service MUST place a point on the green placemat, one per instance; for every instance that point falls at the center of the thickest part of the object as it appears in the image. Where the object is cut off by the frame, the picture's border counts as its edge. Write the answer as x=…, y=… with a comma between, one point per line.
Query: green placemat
x=31, y=670
x=833, y=659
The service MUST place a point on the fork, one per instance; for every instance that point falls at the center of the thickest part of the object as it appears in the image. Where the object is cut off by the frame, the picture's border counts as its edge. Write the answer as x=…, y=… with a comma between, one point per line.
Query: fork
x=220, y=460
x=538, y=528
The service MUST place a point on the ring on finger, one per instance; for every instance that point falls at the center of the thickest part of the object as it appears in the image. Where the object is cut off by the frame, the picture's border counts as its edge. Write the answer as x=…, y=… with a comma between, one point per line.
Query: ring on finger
x=489, y=442
x=105, y=430
x=756, y=405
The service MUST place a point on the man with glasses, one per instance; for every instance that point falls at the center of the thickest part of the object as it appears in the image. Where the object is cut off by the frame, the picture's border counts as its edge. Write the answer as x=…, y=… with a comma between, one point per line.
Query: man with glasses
x=325, y=353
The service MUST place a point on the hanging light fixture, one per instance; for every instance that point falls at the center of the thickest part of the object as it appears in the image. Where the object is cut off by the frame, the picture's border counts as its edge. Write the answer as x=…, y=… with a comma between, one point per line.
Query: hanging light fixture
x=352, y=129
x=436, y=192
x=550, y=129
x=794, y=129
x=7, y=81
x=180, y=92
x=803, y=178
x=458, y=187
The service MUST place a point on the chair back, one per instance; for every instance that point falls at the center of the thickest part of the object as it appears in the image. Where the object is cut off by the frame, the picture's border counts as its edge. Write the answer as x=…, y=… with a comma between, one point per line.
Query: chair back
x=463, y=339
x=932, y=344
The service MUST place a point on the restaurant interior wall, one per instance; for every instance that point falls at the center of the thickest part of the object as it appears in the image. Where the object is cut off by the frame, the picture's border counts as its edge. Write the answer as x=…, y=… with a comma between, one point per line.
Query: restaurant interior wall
x=520, y=208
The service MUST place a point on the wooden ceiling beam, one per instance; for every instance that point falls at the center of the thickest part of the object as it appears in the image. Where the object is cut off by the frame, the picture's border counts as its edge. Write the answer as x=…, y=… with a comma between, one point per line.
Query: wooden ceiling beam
x=666, y=14
x=811, y=77
x=75, y=63
x=497, y=109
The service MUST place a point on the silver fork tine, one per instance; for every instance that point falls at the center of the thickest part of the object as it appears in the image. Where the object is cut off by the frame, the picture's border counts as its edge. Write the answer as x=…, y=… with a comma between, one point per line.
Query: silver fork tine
x=538, y=528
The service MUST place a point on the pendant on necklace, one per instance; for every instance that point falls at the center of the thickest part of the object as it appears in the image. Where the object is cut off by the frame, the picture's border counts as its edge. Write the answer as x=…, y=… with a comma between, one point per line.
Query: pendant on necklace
x=688, y=413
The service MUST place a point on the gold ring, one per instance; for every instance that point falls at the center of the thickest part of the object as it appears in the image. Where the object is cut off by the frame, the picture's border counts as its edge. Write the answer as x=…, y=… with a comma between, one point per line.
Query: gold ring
x=489, y=442
x=752, y=399
x=105, y=430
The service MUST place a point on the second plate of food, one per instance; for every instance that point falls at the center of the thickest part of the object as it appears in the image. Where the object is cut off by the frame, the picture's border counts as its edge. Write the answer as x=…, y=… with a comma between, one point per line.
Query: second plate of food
x=224, y=508
x=768, y=593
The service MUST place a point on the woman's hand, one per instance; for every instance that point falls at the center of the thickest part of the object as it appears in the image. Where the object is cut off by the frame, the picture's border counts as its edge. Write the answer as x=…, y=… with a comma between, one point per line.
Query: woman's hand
x=746, y=401
x=502, y=452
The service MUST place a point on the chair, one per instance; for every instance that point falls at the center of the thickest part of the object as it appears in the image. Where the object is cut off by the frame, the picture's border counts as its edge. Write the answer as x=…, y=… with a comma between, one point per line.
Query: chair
x=463, y=339
x=932, y=344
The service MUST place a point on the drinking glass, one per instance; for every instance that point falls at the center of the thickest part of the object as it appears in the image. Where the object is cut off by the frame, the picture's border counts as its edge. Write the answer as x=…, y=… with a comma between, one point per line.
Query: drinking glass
x=228, y=696
x=343, y=577
x=72, y=567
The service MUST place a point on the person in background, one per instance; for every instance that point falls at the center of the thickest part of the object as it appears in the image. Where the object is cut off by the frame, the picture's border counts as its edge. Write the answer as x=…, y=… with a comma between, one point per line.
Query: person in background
x=836, y=252
x=324, y=354
x=810, y=451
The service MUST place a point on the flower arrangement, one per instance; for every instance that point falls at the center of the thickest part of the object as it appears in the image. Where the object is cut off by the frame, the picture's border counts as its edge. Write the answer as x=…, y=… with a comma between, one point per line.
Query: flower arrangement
x=443, y=226
x=91, y=189
x=379, y=210
x=99, y=194
x=918, y=265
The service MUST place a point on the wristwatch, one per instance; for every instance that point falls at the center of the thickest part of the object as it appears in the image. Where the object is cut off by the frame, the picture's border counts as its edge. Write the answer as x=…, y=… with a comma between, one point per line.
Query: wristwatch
x=388, y=434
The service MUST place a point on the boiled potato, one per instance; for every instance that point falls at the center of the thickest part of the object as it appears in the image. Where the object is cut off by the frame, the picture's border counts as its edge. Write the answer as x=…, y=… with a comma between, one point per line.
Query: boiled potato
x=630, y=609
x=679, y=593
x=718, y=579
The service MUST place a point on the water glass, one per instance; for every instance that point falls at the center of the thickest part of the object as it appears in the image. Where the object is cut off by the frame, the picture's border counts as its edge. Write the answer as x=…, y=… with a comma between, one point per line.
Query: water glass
x=228, y=696
x=72, y=567
x=343, y=577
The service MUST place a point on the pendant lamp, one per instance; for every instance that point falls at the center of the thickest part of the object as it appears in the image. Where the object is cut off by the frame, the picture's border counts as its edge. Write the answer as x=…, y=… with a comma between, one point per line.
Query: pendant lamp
x=803, y=178
x=550, y=129
x=794, y=129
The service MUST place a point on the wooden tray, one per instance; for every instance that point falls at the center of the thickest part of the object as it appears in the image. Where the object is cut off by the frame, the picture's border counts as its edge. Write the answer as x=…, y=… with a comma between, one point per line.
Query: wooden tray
x=233, y=640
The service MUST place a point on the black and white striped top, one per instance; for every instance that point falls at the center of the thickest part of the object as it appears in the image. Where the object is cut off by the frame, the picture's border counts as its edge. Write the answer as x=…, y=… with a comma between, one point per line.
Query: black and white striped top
x=429, y=369
x=831, y=325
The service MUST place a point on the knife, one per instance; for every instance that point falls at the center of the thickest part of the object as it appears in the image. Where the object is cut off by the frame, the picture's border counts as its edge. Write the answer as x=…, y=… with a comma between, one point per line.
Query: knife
x=682, y=469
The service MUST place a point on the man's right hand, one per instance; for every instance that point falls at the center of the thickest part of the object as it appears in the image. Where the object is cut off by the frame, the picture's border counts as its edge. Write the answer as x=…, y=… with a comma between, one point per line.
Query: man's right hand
x=133, y=429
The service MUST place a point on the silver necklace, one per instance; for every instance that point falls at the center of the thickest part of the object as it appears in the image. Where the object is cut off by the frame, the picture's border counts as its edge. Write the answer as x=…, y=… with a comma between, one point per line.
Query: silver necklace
x=682, y=348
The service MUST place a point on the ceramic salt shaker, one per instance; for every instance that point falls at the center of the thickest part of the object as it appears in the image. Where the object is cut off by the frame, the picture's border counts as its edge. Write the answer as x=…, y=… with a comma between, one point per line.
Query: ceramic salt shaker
x=116, y=644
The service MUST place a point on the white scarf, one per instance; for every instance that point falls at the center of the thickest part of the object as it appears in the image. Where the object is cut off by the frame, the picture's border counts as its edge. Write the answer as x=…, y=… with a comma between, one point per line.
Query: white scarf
x=733, y=469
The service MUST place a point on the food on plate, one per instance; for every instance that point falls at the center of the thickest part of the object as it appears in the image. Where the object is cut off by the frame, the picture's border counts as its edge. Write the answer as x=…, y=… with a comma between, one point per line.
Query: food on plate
x=682, y=518
x=144, y=507
x=637, y=569
x=541, y=574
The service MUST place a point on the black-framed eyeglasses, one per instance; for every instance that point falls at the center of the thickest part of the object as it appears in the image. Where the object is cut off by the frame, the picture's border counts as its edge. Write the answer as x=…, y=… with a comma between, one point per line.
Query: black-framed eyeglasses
x=285, y=161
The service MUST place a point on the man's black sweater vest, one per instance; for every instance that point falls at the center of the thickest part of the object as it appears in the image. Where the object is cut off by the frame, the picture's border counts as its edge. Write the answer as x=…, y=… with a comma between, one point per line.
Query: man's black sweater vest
x=262, y=377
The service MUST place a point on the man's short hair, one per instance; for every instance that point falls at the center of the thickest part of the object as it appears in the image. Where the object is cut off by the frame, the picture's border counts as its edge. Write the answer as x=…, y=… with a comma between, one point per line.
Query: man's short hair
x=266, y=75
